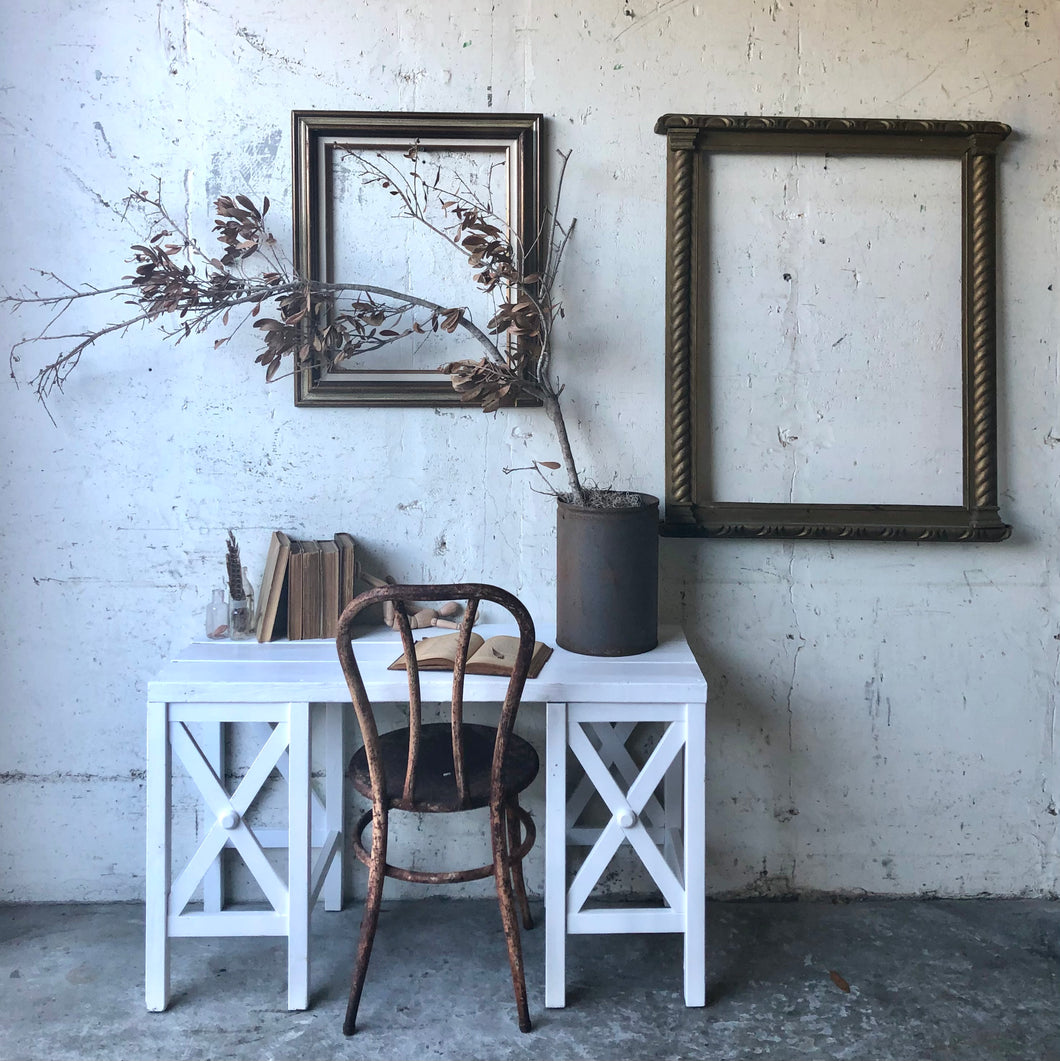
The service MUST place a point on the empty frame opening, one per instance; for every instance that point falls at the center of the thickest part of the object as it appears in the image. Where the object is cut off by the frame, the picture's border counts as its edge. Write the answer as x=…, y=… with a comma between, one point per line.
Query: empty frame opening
x=364, y=233
x=832, y=310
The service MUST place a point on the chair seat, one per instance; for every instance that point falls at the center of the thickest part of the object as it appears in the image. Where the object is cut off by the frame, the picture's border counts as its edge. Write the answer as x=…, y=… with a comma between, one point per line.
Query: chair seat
x=435, y=783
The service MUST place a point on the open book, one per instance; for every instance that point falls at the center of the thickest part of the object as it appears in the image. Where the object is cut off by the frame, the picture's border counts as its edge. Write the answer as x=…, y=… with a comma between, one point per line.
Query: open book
x=495, y=656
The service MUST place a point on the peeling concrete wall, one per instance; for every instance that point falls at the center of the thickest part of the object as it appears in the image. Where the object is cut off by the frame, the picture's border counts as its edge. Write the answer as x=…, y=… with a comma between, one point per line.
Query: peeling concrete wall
x=883, y=717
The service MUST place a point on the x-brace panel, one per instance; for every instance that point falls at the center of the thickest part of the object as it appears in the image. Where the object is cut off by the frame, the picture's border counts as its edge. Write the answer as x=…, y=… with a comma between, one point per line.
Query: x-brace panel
x=228, y=811
x=284, y=732
x=627, y=808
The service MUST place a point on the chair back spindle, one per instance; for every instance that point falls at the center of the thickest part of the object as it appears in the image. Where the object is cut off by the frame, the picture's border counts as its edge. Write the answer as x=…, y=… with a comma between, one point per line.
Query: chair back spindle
x=415, y=699
x=457, y=707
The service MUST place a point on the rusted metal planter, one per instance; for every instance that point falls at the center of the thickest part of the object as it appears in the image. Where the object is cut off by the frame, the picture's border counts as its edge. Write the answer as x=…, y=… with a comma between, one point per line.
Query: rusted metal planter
x=607, y=578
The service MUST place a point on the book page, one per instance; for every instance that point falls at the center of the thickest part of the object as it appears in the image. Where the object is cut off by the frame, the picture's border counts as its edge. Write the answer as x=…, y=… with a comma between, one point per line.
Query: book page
x=444, y=646
x=498, y=651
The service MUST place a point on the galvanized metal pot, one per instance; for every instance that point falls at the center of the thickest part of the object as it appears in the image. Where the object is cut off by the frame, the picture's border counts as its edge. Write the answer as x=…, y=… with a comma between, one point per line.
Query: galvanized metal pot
x=607, y=578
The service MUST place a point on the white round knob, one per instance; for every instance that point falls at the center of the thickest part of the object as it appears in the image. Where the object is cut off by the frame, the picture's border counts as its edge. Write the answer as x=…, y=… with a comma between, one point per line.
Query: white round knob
x=626, y=818
x=229, y=819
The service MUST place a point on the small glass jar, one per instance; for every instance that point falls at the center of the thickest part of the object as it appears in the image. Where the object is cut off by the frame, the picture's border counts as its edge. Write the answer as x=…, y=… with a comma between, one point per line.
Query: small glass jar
x=241, y=619
x=217, y=616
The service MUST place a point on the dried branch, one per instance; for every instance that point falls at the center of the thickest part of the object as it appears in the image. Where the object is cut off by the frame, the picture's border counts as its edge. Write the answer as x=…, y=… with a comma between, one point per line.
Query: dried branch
x=186, y=291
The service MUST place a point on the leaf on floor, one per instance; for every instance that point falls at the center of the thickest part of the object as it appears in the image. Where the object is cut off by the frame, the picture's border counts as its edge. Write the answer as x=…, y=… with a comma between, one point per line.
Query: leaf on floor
x=839, y=981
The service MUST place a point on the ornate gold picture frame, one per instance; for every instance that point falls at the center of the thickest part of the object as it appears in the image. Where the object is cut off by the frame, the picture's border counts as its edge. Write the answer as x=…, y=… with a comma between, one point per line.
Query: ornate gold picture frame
x=694, y=141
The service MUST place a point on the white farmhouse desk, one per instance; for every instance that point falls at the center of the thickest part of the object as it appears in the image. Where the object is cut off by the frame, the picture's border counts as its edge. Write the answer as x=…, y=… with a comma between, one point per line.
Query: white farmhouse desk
x=593, y=705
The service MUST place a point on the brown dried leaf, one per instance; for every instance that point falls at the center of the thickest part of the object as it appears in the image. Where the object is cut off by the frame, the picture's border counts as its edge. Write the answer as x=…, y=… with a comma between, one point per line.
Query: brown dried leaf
x=839, y=981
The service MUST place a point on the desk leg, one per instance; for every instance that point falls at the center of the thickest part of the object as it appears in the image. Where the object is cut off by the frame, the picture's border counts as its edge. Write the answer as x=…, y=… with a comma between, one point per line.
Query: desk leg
x=335, y=800
x=555, y=856
x=695, y=854
x=157, y=879
x=300, y=853
x=213, y=749
x=673, y=813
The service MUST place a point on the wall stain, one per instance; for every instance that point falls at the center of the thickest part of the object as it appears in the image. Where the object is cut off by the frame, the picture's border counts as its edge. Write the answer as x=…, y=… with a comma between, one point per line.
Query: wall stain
x=259, y=45
x=63, y=777
x=633, y=21
x=875, y=699
x=91, y=191
x=98, y=126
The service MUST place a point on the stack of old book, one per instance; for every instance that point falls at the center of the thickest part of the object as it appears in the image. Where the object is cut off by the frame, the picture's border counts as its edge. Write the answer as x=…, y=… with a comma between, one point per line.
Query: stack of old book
x=306, y=585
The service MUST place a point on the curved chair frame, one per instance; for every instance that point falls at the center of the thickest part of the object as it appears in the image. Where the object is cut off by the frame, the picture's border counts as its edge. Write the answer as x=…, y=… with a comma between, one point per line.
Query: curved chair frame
x=512, y=830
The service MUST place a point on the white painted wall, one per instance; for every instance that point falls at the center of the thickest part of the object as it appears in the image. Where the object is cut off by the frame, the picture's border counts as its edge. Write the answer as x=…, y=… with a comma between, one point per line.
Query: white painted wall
x=883, y=717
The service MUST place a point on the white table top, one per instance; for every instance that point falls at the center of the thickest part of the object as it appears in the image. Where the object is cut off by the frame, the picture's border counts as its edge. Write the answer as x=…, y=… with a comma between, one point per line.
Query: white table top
x=309, y=671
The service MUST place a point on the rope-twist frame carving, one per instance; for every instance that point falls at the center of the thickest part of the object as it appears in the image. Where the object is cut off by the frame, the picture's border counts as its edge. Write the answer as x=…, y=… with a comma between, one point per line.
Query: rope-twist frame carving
x=981, y=333
x=680, y=352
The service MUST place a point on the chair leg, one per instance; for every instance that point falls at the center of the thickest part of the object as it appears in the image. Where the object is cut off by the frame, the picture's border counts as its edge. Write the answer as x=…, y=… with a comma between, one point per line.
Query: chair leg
x=369, y=919
x=502, y=870
x=518, y=883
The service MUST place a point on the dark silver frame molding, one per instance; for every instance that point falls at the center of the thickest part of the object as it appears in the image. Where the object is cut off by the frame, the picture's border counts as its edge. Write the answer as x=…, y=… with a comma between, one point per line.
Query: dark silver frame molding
x=690, y=512
x=518, y=135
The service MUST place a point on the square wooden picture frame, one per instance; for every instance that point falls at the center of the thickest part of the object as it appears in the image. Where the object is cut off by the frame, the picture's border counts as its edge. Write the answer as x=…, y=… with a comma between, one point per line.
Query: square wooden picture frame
x=509, y=142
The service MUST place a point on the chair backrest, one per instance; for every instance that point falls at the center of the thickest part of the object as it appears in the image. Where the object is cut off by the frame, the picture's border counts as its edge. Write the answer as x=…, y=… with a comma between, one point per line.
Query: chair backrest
x=400, y=596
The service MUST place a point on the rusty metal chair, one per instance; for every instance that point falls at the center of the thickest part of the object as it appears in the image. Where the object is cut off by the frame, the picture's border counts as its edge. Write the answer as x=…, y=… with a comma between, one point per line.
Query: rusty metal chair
x=443, y=768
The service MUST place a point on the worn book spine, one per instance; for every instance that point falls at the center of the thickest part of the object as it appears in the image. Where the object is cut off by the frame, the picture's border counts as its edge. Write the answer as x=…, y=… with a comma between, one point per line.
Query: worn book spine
x=312, y=598
x=294, y=592
x=347, y=569
x=330, y=589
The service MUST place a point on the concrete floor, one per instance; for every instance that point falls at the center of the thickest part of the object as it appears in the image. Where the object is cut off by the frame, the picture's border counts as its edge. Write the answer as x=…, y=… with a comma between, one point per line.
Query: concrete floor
x=941, y=979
